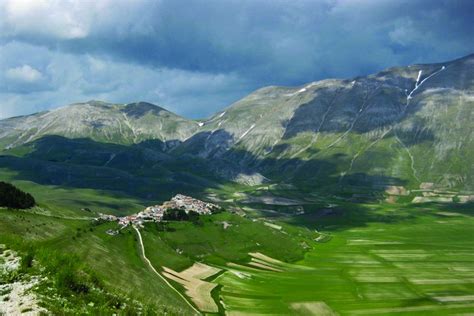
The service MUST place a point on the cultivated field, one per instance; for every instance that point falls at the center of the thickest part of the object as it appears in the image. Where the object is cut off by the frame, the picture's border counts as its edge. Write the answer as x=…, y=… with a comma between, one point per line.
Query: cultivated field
x=197, y=289
x=418, y=266
x=346, y=259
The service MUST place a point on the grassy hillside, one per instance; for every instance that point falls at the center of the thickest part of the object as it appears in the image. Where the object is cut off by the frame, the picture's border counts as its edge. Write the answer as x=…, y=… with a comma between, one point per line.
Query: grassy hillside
x=99, y=121
x=383, y=127
x=59, y=230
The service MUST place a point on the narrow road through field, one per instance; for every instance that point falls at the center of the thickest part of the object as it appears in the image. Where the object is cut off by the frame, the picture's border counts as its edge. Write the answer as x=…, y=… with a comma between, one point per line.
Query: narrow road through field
x=158, y=274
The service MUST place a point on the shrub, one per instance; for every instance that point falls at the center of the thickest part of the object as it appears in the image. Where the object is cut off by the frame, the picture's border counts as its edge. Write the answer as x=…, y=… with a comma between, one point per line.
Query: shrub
x=71, y=280
x=27, y=261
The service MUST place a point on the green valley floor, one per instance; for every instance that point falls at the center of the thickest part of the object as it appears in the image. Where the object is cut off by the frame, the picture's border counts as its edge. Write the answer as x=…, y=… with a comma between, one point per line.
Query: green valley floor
x=423, y=266
x=357, y=259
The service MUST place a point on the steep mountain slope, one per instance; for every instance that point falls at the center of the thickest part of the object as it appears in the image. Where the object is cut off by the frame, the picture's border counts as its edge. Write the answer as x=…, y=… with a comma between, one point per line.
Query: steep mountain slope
x=99, y=121
x=402, y=126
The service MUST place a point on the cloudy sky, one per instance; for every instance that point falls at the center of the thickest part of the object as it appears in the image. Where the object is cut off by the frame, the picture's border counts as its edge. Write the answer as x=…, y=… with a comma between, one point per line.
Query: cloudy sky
x=197, y=56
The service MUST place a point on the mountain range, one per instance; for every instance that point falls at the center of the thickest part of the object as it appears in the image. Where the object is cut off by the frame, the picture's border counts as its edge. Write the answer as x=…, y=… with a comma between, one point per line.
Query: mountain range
x=402, y=126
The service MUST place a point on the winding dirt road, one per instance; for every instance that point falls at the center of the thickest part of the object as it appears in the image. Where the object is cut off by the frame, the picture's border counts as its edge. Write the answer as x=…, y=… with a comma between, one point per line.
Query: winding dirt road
x=158, y=274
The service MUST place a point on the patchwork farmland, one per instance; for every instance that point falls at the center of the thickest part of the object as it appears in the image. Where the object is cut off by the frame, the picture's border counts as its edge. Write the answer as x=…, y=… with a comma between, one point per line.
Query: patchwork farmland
x=381, y=269
x=349, y=259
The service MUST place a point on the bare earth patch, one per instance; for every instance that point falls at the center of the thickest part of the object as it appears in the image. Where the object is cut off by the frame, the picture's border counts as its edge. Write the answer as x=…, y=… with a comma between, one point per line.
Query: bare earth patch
x=466, y=198
x=264, y=266
x=262, y=261
x=198, y=290
x=268, y=259
x=397, y=190
x=424, y=199
x=450, y=214
x=242, y=267
x=277, y=227
x=441, y=281
x=16, y=298
x=312, y=309
x=463, y=298
x=19, y=300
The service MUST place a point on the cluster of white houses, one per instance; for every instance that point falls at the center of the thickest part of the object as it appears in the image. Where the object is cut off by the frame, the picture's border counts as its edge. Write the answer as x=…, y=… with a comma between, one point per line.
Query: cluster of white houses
x=155, y=213
x=189, y=204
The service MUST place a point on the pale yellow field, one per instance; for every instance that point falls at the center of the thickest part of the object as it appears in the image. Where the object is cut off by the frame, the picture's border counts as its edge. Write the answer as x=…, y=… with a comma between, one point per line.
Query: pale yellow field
x=200, y=271
x=198, y=290
x=264, y=266
x=312, y=309
x=268, y=259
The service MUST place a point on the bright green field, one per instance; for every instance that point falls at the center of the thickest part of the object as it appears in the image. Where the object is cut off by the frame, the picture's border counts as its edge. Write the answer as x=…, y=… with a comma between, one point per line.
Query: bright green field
x=392, y=260
x=372, y=259
x=421, y=266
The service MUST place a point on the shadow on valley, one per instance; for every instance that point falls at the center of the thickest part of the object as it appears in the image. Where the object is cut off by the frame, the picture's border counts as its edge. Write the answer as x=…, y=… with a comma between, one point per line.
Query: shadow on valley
x=142, y=171
x=150, y=174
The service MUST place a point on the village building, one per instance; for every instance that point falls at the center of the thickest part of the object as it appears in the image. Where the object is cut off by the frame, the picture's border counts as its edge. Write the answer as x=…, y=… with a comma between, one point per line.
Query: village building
x=188, y=204
x=155, y=213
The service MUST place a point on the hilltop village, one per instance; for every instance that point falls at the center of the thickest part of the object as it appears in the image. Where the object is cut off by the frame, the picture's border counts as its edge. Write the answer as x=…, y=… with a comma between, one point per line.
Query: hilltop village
x=155, y=213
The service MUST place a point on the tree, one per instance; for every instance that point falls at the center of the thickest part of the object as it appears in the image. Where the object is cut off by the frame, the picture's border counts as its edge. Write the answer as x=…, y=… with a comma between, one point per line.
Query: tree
x=12, y=197
x=193, y=216
x=175, y=214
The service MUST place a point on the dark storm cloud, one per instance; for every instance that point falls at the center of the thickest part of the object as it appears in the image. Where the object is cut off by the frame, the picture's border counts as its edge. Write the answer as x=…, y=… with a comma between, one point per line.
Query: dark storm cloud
x=245, y=44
